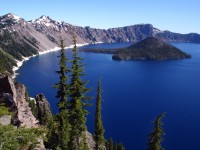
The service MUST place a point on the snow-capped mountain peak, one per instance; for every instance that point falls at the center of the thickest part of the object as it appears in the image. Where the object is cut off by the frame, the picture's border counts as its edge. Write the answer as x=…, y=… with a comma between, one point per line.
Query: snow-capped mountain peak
x=10, y=17
x=45, y=20
x=42, y=19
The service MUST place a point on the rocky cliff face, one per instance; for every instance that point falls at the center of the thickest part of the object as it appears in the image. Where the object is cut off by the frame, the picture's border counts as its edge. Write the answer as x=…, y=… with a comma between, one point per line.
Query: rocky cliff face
x=43, y=33
x=13, y=95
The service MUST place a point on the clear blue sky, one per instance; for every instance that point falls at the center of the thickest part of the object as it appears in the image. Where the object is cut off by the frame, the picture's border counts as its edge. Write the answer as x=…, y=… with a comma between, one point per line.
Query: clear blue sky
x=181, y=16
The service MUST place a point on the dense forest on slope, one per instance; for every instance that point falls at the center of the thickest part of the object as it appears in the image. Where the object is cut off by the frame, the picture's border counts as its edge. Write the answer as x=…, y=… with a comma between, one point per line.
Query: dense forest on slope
x=6, y=62
x=16, y=45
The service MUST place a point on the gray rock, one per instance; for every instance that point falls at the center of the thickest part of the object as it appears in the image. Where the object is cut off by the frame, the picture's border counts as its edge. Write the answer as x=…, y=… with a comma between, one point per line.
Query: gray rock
x=5, y=120
x=44, y=109
x=25, y=115
x=8, y=86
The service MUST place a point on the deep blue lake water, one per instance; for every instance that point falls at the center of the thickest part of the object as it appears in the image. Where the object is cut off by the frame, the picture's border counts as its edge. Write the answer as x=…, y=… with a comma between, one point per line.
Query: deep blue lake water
x=134, y=93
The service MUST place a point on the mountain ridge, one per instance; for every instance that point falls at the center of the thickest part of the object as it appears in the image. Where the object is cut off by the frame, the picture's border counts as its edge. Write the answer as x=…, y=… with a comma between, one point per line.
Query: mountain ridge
x=132, y=33
x=44, y=33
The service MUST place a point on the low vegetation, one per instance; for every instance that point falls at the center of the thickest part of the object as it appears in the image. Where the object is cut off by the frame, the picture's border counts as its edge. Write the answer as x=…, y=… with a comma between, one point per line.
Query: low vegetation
x=12, y=138
x=17, y=139
x=5, y=111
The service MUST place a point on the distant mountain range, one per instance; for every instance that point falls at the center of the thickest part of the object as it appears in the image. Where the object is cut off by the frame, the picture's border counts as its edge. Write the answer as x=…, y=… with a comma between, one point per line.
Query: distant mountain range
x=22, y=38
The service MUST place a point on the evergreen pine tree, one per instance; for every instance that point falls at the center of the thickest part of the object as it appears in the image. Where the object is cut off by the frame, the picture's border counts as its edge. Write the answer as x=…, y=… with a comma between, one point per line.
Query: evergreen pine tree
x=77, y=103
x=155, y=138
x=99, y=130
x=110, y=145
x=62, y=86
x=52, y=134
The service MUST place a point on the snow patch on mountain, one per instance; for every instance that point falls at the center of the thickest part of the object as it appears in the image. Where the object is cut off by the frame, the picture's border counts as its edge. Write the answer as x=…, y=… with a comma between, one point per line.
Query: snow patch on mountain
x=17, y=18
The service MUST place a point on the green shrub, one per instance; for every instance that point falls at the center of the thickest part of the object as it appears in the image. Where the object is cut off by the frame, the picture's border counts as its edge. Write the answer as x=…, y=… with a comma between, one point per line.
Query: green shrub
x=21, y=138
x=5, y=111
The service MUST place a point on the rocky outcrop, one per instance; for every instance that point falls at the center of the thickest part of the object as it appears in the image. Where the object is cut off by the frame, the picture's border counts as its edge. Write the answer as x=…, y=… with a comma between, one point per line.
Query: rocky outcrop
x=13, y=95
x=25, y=115
x=8, y=86
x=44, y=110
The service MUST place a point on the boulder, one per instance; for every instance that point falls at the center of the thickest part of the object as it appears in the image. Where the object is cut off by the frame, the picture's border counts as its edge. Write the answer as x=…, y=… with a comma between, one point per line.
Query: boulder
x=5, y=120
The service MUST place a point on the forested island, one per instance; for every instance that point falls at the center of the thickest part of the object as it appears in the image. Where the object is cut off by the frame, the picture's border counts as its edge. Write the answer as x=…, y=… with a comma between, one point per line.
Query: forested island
x=150, y=49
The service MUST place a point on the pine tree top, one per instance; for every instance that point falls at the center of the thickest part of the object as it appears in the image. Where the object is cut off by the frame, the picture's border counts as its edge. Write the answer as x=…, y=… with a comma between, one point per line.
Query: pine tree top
x=155, y=138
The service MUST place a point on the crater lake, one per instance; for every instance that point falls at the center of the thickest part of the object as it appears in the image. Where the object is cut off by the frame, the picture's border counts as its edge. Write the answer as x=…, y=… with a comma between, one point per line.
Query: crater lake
x=134, y=93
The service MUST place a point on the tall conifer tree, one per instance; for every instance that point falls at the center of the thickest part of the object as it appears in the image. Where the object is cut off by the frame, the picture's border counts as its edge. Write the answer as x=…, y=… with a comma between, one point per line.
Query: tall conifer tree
x=77, y=103
x=155, y=138
x=62, y=87
x=99, y=130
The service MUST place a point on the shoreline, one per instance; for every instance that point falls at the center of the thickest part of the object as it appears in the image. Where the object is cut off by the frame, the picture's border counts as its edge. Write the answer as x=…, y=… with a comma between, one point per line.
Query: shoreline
x=20, y=63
